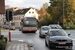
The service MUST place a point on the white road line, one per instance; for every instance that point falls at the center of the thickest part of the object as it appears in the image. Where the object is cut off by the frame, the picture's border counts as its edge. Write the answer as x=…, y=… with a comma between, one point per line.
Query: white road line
x=21, y=40
x=14, y=46
x=73, y=44
x=73, y=39
x=17, y=47
x=9, y=47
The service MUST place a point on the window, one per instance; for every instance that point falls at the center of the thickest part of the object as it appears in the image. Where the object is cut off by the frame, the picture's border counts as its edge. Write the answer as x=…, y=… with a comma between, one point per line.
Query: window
x=32, y=12
x=29, y=12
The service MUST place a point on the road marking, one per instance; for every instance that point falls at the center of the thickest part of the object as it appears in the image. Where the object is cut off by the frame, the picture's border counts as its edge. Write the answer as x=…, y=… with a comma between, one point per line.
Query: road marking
x=73, y=44
x=9, y=47
x=73, y=39
x=21, y=40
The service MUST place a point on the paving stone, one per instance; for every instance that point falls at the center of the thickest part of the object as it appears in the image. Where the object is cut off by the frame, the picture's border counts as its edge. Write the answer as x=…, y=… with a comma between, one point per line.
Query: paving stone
x=16, y=46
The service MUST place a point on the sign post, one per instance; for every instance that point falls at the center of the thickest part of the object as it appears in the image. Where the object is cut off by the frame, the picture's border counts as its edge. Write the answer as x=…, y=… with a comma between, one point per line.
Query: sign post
x=9, y=17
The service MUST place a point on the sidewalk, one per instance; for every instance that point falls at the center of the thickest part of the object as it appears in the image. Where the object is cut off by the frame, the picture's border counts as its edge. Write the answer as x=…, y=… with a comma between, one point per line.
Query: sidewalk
x=17, y=45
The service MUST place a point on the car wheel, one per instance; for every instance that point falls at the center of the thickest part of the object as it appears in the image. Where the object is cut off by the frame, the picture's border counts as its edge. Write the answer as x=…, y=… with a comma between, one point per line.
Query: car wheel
x=49, y=45
x=34, y=31
x=40, y=36
x=46, y=43
x=22, y=31
x=19, y=29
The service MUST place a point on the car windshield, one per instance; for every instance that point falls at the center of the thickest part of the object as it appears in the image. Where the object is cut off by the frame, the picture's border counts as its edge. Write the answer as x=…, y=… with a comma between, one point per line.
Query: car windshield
x=58, y=33
x=45, y=28
x=59, y=26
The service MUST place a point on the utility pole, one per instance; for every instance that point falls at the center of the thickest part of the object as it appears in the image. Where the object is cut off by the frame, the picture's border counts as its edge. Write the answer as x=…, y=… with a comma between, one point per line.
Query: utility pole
x=46, y=18
x=63, y=13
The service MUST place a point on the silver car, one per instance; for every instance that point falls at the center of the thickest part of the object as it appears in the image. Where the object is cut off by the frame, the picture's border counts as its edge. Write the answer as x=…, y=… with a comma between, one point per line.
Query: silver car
x=55, y=26
x=43, y=30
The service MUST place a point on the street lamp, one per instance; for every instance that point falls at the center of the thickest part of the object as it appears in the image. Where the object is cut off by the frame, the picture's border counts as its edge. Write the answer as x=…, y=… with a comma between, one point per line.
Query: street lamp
x=63, y=13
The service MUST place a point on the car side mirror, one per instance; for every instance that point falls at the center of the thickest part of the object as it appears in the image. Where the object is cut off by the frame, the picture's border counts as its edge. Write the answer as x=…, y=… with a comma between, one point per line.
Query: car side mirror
x=46, y=33
x=69, y=34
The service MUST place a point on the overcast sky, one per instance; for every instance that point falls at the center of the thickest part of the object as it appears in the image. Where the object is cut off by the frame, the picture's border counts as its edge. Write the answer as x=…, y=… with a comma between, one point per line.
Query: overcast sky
x=26, y=3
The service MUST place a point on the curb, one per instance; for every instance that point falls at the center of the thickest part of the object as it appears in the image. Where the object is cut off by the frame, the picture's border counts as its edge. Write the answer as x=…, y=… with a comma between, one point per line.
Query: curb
x=31, y=46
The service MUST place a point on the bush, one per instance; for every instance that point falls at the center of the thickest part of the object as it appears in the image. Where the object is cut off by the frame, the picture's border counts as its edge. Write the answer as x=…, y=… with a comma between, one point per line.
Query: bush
x=2, y=36
x=72, y=27
x=5, y=39
x=2, y=45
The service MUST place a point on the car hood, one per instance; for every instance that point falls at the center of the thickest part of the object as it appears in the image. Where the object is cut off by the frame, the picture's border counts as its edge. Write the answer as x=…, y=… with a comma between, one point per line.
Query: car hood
x=60, y=37
x=45, y=31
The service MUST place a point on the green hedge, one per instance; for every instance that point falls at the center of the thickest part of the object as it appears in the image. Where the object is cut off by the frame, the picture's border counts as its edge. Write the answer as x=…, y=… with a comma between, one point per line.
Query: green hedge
x=5, y=39
x=2, y=45
x=3, y=42
x=72, y=27
x=2, y=37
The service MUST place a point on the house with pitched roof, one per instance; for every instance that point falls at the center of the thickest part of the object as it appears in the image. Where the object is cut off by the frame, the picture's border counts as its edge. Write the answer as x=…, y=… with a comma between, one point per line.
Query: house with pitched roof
x=19, y=14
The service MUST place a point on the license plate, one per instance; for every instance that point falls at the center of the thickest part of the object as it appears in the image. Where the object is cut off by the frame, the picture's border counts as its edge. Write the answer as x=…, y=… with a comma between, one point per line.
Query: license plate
x=62, y=43
x=29, y=27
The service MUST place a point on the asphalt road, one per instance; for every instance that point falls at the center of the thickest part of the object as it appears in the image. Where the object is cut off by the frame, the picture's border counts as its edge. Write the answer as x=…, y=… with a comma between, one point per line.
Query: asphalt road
x=33, y=38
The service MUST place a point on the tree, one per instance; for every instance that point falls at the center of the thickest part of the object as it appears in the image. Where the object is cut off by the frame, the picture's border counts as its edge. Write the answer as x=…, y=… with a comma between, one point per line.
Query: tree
x=56, y=10
x=45, y=6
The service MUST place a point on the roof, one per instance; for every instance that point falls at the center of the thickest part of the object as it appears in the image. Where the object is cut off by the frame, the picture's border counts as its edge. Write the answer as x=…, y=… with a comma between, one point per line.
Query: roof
x=42, y=11
x=36, y=11
x=20, y=12
x=45, y=26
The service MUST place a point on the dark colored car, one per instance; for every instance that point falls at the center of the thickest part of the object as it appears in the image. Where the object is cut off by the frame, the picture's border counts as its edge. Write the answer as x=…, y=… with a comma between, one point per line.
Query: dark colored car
x=6, y=27
x=55, y=26
x=12, y=28
x=58, y=38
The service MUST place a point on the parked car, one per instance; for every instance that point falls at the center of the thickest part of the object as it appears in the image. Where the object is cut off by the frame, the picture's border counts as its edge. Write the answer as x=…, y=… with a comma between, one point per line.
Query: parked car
x=58, y=38
x=55, y=26
x=6, y=27
x=43, y=30
x=12, y=28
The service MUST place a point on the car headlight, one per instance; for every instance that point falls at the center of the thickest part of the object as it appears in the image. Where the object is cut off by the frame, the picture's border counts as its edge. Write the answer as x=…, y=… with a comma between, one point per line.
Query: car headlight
x=69, y=40
x=52, y=40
